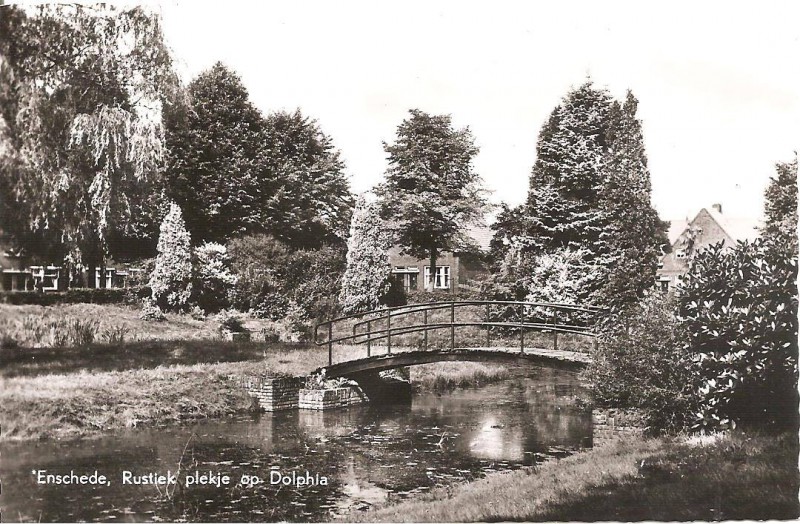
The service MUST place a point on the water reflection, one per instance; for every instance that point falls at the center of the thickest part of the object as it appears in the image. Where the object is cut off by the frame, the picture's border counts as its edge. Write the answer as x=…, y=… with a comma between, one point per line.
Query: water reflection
x=368, y=453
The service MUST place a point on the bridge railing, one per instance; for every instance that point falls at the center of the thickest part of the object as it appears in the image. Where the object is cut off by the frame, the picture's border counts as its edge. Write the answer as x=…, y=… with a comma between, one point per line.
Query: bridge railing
x=505, y=316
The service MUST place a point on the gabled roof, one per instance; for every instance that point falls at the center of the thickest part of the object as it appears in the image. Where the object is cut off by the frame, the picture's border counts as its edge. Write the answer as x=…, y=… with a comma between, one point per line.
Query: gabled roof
x=738, y=228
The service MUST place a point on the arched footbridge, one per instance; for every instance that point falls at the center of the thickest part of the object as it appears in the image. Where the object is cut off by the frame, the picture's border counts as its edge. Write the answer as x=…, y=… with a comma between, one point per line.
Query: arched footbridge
x=557, y=335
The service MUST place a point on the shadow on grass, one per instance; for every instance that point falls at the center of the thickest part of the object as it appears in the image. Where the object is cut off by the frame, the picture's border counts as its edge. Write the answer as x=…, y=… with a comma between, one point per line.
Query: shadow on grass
x=738, y=478
x=135, y=355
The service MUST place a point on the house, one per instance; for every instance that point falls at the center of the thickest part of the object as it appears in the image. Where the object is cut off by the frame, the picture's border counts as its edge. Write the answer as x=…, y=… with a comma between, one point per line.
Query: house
x=687, y=237
x=461, y=270
x=18, y=273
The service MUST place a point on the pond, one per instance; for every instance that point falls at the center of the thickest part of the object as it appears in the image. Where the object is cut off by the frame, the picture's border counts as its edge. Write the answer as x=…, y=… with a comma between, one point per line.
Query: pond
x=311, y=465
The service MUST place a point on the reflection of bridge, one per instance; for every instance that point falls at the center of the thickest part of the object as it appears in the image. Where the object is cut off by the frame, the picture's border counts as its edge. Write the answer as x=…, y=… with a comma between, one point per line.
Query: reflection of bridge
x=413, y=329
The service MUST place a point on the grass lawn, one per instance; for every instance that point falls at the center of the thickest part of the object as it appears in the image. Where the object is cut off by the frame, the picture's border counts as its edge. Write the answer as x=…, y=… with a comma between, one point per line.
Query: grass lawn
x=737, y=476
x=174, y=370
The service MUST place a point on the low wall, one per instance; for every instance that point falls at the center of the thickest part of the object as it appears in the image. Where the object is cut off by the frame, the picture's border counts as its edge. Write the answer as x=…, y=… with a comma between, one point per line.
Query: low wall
x=609, y=425
x=332, y=398
x=276, y=393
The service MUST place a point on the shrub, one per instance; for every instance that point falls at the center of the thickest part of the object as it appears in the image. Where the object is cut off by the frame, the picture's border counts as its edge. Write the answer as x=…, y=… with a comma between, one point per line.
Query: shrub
x=82, y=332
x=171, y=280
x=259, y=263
x=213, y=280
x=115, y=335
x=230, y=321
x=151, y=311
x=70, y=296
x=740, y=309
x=642, y=362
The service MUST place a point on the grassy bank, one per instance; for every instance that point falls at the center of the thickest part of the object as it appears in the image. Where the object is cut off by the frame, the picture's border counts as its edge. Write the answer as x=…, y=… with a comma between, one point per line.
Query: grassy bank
x=738, y=476
x=442, y=377
x=87, y=398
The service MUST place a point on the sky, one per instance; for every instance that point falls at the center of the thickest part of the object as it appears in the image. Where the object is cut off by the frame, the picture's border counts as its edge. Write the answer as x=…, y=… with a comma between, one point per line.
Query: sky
x=717, y=82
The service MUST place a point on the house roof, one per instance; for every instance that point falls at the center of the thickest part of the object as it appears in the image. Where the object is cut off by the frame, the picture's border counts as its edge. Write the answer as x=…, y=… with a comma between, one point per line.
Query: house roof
x=738, y=228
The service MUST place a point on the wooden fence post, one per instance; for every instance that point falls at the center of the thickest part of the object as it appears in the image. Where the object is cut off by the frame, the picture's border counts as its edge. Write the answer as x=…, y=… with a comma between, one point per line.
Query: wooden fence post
x=330, y=344
x=369, y=336
x=522, y=329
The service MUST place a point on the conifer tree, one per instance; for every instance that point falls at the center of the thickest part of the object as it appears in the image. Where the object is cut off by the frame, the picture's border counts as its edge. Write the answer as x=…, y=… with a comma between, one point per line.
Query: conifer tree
x=590, y=191
x=171, y=280
x=366, y=278
x=634, y=233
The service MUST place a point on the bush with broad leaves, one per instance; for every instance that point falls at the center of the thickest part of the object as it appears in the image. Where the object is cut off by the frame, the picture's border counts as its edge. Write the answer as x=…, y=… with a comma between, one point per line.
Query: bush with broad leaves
x=213, y=280
x=642, y=362
x=739, y=307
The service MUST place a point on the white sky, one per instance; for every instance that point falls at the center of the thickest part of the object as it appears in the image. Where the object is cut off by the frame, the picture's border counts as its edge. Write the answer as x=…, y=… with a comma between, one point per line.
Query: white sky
x=717, y=81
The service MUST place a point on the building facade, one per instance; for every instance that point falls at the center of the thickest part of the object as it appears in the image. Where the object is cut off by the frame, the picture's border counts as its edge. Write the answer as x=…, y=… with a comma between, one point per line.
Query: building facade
x=455, y=271
x=688, y=237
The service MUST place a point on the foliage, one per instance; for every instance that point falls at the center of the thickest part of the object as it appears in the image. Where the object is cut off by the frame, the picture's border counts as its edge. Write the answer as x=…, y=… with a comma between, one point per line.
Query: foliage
x=42, y=331
x=780, y=207
x=230, y=321
x=235, y=171
x=562, y=277
x=739, y=307
x=73, y=296
x=589, y=190
x=366, y=278
x=641, y=362
x=171, y=280
x=213, y=279
x=273, y=281
x=431, y=192
x=151, y=311
x=81, y=99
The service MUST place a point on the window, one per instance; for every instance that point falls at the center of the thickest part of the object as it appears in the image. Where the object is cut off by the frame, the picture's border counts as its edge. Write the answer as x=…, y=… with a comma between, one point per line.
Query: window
x=442, y=277
x=407, y=280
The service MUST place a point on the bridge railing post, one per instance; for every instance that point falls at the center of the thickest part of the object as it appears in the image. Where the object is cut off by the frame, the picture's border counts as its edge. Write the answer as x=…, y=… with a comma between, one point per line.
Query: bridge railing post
x=555, y=333
x=488, y=327
x=389, y=332
x=425, y=331
x=522, y=329
x=452, y=325
x=330, y=343
x=369, y=337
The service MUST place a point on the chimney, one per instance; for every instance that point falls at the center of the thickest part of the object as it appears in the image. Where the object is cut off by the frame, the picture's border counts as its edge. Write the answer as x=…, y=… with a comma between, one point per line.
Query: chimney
x=718, y=208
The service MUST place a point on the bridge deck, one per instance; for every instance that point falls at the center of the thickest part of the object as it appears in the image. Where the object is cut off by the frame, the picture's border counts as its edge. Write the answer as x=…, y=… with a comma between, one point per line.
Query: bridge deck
x=571, y=360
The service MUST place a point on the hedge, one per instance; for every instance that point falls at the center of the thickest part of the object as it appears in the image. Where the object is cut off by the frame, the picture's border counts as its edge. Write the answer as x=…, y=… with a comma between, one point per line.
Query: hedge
x=75, y=296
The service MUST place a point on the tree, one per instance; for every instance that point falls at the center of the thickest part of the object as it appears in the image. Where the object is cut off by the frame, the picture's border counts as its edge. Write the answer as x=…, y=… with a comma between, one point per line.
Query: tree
x=634, y=234
x=780, y=209
x=83, y=89
x=431, y=192
x=366, y=278
x=215, y=150
x=590, y=191
x=171, y=281
x=235, y=171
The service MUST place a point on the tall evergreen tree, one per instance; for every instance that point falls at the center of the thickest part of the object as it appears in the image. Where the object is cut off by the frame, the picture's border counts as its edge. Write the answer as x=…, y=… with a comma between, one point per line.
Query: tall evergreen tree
x=171, y=280
x=431, y=192
x=634, y=233
x=366, y=278
x=590, y=191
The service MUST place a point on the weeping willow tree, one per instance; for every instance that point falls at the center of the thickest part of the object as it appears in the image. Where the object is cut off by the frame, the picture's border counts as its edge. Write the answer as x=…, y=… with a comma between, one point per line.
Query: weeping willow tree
x=82, y=90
